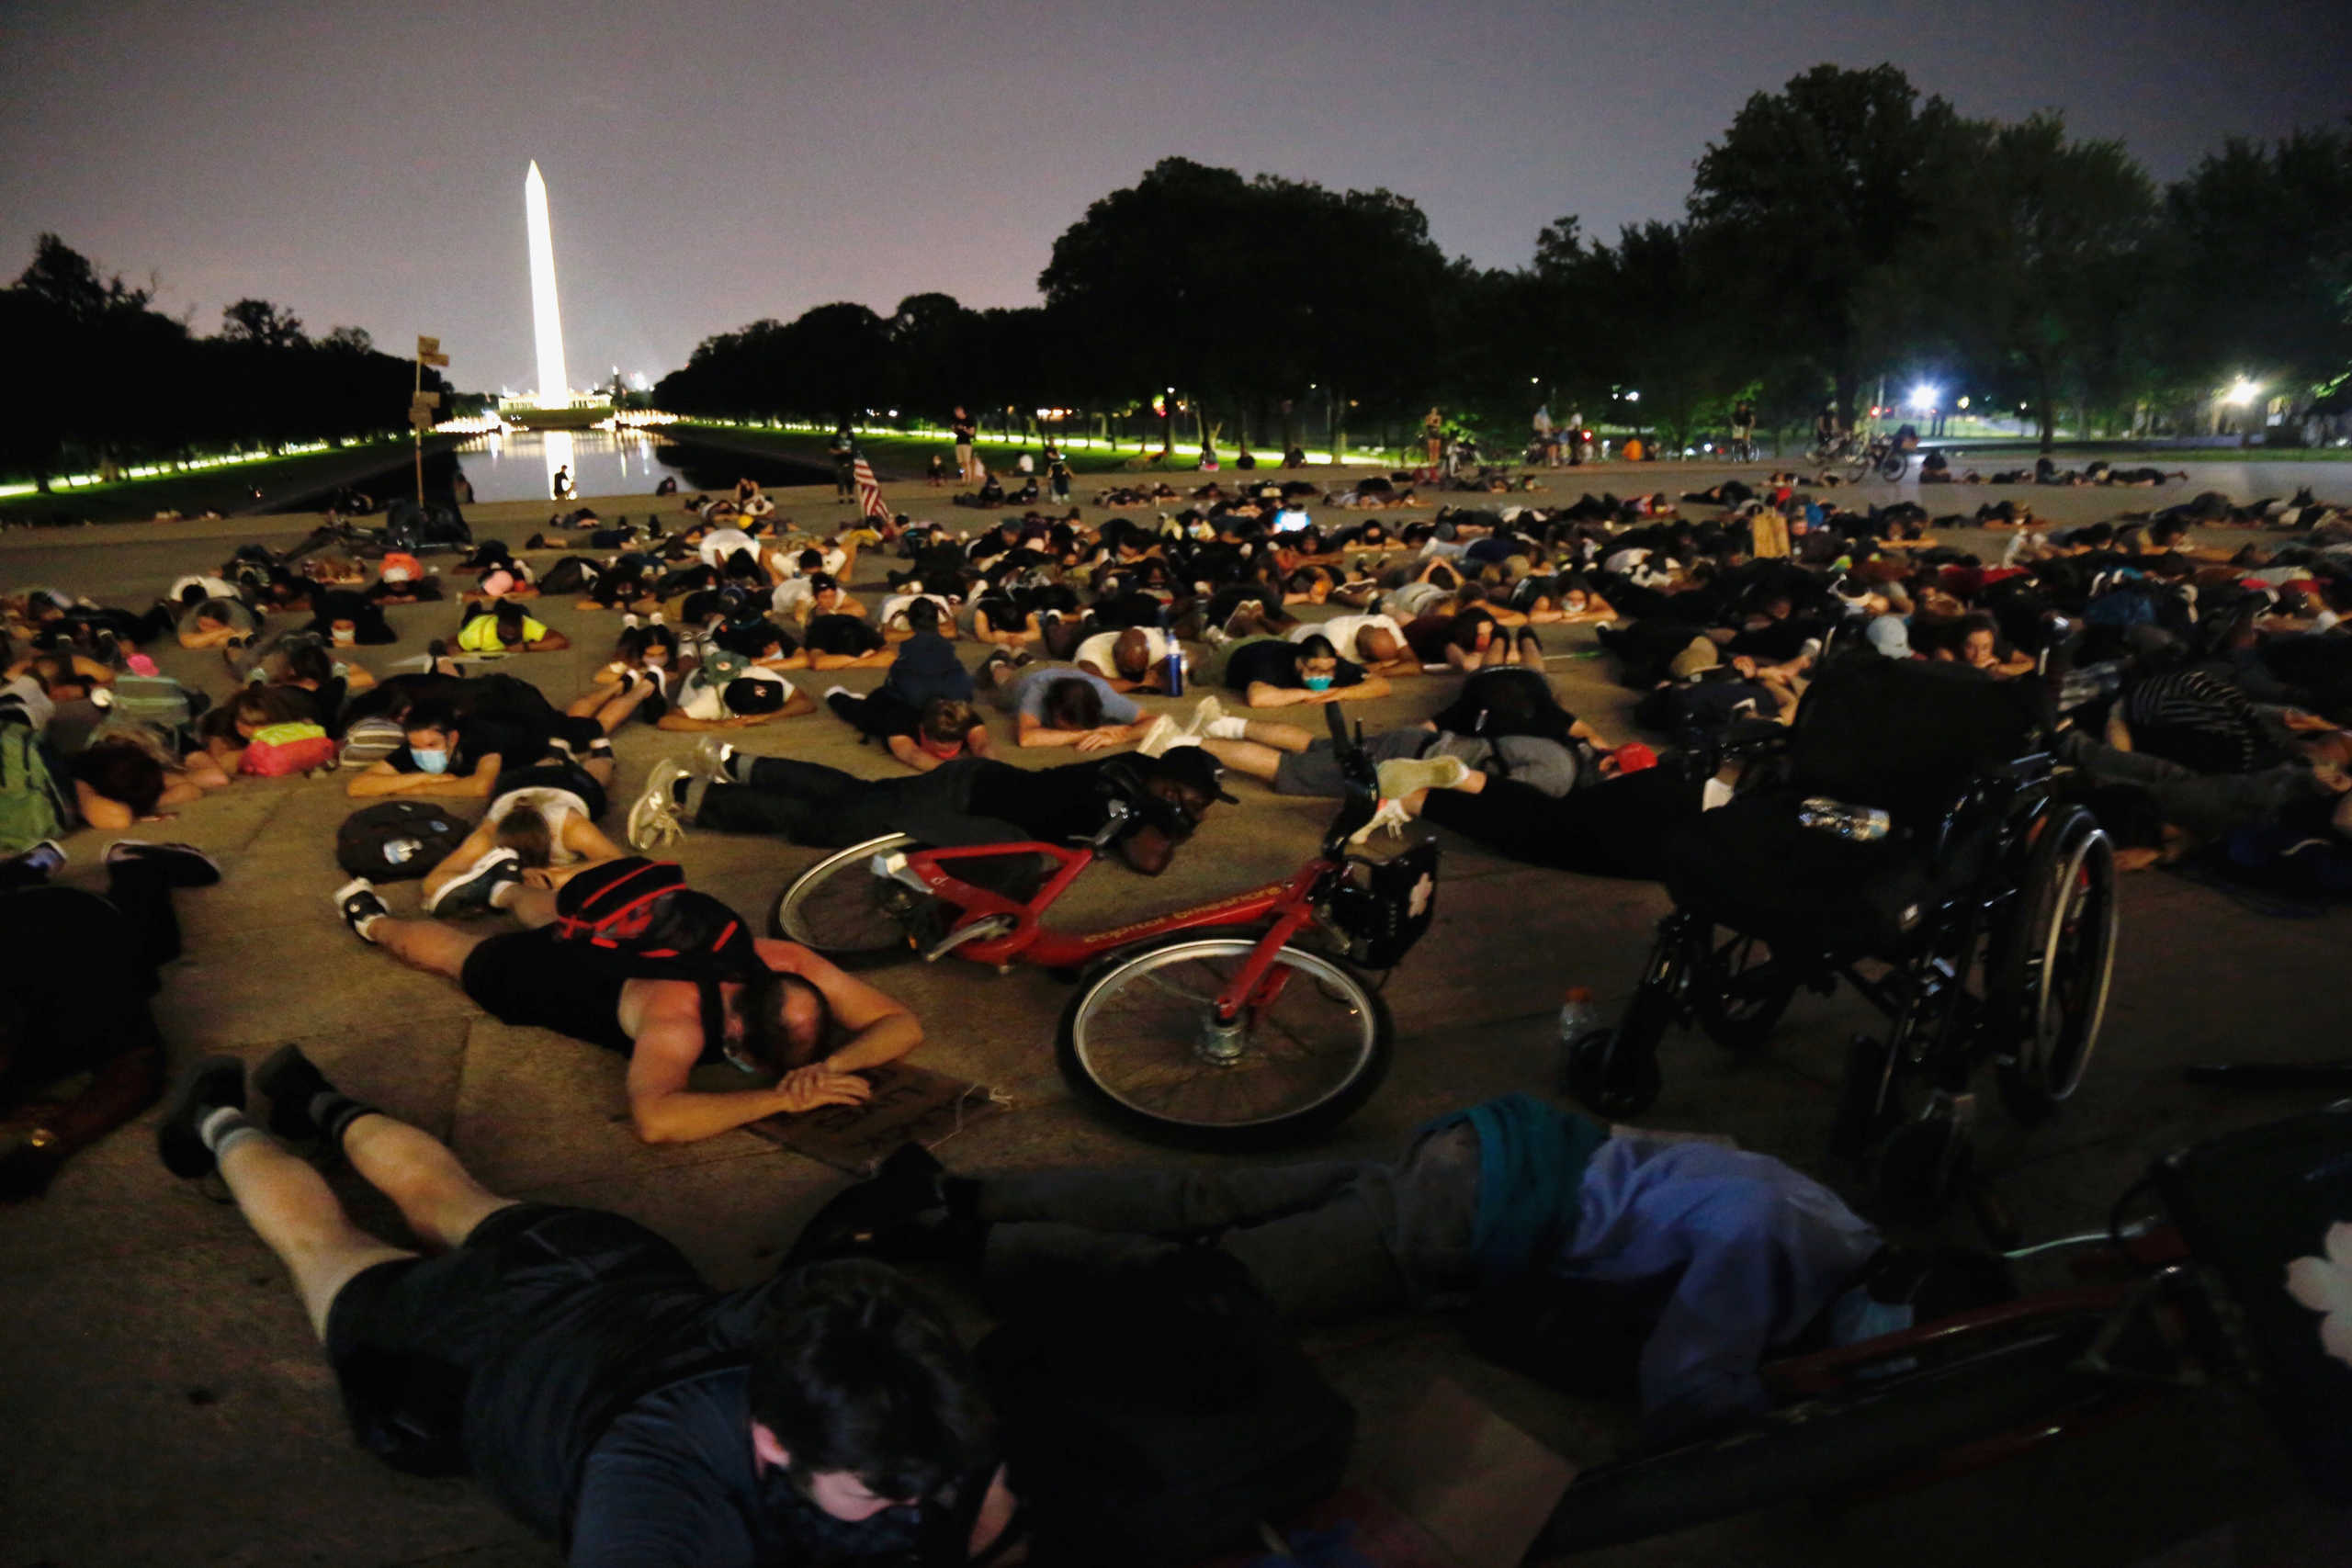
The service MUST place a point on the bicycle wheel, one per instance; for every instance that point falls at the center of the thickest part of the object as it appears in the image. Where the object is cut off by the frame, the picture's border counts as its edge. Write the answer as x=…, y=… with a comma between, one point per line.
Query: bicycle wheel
x=1141, y=1041
x=1870, y=1430
x=839, y=907
x=1891, y=467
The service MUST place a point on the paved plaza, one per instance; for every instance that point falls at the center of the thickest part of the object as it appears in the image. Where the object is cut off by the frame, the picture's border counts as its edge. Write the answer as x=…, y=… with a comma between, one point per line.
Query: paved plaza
x=165, y=1403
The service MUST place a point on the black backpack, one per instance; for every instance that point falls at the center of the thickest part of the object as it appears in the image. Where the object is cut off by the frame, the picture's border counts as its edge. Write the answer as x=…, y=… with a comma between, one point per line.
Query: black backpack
x=394, y=841
x=1154, y=1421
x=1507, y=702
x=643, y=911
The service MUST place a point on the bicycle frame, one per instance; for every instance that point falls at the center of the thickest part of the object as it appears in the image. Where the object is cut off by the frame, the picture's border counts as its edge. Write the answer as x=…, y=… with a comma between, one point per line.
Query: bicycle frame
x=1288, y=906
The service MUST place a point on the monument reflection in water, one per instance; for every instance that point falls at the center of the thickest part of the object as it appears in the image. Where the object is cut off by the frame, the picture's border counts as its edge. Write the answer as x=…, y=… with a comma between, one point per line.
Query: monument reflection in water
x=521, y=464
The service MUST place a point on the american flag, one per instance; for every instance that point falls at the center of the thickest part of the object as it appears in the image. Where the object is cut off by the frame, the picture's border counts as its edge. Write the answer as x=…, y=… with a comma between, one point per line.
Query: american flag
x=869, y=492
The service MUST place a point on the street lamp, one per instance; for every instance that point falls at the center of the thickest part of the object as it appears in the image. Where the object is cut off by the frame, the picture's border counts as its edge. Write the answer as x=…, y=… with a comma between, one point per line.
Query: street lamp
x=2241, y=392
x=1925, y=398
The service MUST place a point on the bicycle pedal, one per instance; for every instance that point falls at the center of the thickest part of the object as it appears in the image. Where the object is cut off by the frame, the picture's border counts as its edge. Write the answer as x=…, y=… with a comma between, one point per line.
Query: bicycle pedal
x=979, y=931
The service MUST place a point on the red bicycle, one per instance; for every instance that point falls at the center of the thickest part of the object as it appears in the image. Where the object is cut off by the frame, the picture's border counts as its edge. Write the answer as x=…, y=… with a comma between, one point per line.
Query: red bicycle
x=1214, y=1025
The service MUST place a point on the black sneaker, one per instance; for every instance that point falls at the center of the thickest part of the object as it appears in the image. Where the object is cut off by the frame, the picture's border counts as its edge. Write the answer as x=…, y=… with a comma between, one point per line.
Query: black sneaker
x=906, y=1190
x=292, y=1081
x=205, y=1088
x=473, y=893
x=357, y=902
x=185, y=865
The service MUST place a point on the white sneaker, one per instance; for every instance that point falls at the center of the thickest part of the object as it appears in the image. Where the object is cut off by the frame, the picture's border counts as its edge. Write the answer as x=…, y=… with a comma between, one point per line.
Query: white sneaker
x=629, y=622
x=714, y=757
x=1206, y=713
x=1164, y=732
x=655, y=618
x=653, y=820
x=1400, y=777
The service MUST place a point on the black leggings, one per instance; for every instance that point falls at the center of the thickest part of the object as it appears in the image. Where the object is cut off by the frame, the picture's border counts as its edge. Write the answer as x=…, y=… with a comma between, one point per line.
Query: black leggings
x=827, y=808
x=1616, y=827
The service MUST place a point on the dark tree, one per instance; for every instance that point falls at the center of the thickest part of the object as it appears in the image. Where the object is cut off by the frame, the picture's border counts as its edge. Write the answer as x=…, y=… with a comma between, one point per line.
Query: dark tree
x=258, y=320
x=2039, y=254
x=2265, y=263
x=1808, y=208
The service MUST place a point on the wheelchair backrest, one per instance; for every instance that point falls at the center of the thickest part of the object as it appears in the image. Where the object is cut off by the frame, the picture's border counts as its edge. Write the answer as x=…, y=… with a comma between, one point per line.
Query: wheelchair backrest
x=1906, y=735
x=2267, y=1215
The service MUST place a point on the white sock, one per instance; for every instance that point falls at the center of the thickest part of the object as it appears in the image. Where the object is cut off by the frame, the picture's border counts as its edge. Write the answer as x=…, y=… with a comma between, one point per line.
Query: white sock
x=363, y=926
x=502, y=896
x=222, y=1122
x=1227, y=730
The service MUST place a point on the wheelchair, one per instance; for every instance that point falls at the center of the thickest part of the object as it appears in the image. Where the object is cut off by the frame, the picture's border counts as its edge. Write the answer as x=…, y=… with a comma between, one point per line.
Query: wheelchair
x=1974, y=907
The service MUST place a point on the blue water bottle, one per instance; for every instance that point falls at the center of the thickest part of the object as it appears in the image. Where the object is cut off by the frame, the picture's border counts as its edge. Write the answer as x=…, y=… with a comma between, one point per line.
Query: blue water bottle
x=1172, y=671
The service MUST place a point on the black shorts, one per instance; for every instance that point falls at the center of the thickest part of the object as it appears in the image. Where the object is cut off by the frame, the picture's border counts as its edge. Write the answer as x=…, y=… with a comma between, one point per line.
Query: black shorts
x=509, y=1355
x=532, y=979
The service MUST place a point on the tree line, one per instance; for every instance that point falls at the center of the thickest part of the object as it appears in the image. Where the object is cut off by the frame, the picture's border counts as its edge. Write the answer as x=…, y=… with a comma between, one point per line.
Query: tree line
x=121, y=383
x=1844, y=233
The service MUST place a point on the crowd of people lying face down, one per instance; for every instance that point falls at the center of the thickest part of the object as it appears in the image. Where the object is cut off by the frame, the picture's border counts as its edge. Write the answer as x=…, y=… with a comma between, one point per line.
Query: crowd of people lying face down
x=2202, y=691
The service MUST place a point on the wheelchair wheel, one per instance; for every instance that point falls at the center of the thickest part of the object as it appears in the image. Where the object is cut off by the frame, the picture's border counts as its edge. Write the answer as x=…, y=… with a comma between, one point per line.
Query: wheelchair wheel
x=1737, y=992
x=839, y=907
x=1611, y=1077
x=2049, y=982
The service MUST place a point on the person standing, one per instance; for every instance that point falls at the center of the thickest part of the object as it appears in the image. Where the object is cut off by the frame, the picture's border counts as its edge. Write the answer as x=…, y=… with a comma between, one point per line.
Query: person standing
x=1433, y=439
x=964, y=432
x=1743, y=430
x=561, y=484
x=1548, y=446
x=843, y=450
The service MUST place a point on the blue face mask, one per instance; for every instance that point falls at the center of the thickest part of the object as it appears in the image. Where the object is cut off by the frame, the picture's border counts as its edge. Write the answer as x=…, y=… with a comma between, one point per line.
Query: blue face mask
x=1317, y=682
x=430, y=762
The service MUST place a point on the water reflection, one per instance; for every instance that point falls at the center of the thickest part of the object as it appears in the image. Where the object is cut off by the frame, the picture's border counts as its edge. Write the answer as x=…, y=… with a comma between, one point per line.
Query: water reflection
x=521, y=464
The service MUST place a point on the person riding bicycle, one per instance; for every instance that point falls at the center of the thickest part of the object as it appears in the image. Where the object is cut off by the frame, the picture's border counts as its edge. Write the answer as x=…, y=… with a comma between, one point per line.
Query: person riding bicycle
x=1743, y=426
x=1828, y=434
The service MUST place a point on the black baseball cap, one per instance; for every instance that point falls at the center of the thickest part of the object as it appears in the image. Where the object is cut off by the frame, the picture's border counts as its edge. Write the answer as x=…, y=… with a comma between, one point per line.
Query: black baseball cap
x=1193, y=765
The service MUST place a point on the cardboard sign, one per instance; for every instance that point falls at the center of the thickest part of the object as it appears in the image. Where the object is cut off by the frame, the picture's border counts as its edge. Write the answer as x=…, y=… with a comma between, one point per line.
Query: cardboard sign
x=910, y=1105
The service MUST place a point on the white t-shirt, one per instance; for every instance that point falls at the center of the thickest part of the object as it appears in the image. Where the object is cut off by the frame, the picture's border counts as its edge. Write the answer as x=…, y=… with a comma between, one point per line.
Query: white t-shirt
x=1095, y=651
x=701, y=700
x=789, y=595
x=555, y=805
x=214, y=587
x=720, y=543
x=1343, y=631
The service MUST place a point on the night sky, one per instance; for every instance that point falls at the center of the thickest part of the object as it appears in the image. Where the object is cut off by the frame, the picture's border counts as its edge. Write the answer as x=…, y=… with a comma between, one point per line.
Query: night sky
x=711, y=164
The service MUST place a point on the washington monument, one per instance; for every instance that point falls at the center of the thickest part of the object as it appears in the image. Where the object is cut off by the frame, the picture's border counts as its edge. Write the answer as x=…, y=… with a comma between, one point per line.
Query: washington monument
x=555, y=388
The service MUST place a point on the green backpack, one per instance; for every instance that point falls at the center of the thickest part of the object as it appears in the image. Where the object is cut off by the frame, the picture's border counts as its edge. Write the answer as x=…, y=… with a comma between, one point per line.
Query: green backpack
x=35, y=802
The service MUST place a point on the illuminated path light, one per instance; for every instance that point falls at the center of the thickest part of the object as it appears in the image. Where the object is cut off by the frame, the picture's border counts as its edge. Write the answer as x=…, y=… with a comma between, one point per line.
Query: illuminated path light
x=555, y=388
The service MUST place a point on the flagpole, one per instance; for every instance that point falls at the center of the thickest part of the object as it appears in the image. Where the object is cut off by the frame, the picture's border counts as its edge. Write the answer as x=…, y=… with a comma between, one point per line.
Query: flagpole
x=416, y=431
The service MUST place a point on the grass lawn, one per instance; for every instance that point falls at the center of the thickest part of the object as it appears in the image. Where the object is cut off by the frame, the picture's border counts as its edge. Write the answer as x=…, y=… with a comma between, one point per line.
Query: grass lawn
x=227, y=489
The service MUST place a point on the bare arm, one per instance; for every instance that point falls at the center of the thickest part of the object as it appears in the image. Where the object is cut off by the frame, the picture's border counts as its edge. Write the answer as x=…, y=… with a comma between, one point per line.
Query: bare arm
x=663, y=1110
x=881, y=1028
x=915, y=757
x=1035, y=732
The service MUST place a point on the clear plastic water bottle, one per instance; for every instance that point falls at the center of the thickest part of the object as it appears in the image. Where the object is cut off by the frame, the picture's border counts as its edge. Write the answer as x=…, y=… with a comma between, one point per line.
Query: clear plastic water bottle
x=1578, y=1017
x=1861, y=824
